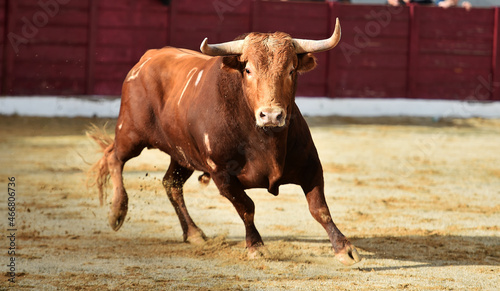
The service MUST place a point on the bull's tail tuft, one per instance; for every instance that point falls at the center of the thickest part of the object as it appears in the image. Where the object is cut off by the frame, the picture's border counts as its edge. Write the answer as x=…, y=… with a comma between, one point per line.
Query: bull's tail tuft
x=98, y=174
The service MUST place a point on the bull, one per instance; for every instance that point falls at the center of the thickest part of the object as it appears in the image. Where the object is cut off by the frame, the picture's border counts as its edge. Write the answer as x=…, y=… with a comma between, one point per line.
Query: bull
x=229, y=112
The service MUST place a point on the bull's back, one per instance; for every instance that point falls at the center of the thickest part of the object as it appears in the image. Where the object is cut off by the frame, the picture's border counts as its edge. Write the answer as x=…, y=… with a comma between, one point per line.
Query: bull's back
x=165, y=72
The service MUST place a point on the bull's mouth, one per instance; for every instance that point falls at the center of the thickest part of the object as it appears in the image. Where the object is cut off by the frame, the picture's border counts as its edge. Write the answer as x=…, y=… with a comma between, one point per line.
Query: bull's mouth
x=271, y=125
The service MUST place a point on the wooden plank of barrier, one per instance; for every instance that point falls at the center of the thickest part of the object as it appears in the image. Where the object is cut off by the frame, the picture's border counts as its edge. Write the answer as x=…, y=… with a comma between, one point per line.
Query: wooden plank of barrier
x=495, y=83
x=91, y=47
x=9, y=53
x=413, y=52
x=3, y=21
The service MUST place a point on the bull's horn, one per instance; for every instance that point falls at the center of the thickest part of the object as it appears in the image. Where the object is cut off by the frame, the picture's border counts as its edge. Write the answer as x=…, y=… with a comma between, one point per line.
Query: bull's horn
x=315, y=46
x=234, y=47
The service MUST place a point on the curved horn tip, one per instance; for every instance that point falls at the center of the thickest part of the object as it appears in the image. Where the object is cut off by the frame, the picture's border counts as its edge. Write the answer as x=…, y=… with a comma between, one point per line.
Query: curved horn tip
x=203, y=44
x=337, y=26
x=315, y=46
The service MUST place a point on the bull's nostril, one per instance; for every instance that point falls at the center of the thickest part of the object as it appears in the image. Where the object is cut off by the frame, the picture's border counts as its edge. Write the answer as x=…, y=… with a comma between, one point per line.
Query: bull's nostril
x=279, y=117
x=262, y=115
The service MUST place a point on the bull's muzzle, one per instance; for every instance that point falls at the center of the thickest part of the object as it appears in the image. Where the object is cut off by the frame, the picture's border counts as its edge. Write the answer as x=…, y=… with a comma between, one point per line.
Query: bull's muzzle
x=270, y=116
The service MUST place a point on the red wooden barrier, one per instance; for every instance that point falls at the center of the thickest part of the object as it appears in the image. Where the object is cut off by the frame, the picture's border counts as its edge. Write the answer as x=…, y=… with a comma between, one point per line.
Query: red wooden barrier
x=124, y=31
x=64, y=47
x=372, y=58
x=45, y=49
x=453, y=54
x=193, y=20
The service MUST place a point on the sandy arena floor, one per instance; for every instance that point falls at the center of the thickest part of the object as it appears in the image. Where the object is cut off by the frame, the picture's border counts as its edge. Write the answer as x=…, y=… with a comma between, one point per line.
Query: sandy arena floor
x=419, y=199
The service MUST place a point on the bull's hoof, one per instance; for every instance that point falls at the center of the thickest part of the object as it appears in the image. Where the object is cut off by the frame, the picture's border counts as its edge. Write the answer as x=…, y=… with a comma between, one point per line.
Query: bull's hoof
x=348, y=257
x=116, y=220
x=256, y=253
x=197, y=239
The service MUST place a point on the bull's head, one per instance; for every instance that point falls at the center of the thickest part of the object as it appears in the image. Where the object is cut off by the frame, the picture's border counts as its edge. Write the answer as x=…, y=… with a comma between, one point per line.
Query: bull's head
x=269, y=63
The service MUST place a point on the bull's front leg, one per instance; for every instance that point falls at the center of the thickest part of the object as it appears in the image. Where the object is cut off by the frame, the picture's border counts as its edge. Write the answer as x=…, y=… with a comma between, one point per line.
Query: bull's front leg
x=234, y=192
x=345, y=252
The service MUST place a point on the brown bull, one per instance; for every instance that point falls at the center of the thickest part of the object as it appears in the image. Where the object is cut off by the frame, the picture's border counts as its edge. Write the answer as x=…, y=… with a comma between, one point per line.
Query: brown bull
x=231, y=114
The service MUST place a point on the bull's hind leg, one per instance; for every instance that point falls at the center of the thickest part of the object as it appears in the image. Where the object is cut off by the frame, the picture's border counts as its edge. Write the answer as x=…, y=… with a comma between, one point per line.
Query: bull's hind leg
x=111, y=164
x=121, y=152
x=173, y=181
x=119, y=202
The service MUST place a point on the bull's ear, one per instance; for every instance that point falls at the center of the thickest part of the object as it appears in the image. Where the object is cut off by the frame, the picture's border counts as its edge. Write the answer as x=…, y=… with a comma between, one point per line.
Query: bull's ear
x=233, y=62
x=307, y=62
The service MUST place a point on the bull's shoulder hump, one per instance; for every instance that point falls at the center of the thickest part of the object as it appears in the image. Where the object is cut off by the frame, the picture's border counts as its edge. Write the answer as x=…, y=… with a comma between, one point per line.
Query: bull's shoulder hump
x=175, y=53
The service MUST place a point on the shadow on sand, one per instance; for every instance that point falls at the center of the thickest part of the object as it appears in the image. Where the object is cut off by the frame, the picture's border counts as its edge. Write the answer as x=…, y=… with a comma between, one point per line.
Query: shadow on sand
x=321, y=121
x=432, y=250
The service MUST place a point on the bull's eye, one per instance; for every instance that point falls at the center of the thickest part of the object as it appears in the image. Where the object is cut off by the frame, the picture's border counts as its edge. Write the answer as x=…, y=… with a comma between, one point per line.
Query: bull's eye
x=247, y=71
x=292, y=71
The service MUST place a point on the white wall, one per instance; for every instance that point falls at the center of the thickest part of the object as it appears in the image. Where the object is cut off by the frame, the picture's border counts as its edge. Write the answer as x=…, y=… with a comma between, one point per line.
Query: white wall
x=72, y=107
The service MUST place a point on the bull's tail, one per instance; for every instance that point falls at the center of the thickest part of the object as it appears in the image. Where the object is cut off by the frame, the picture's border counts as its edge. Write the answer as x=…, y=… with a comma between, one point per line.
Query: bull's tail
x=98, y=174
